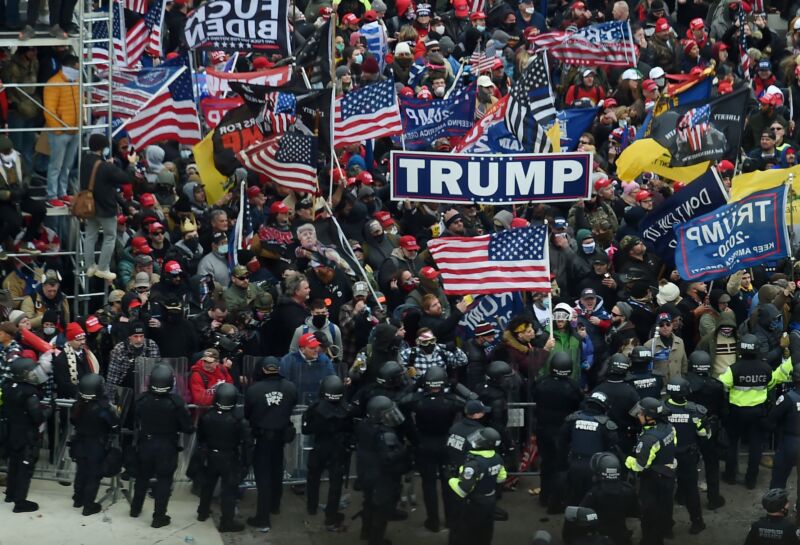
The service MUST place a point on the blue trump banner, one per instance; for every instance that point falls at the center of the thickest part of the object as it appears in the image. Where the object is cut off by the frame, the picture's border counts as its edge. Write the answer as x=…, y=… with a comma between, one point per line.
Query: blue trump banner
x=490, y=179
x=704, y=194
x=426, y=120
x=496, y=309
x=733, y=237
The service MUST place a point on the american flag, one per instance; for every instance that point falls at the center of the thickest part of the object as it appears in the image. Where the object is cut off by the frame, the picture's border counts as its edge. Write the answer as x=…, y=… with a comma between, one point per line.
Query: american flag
x=475, y=5
x=608, y=44
x=218, y=83
x=171, y=115
x=482, y=61
x=100, y=53
x=531, y=107
x=289, y=160
x=744, y=58
x=145, y=34
x=368, y=112
x=695, y=125
x=132, y=90
x=508, y=261
x=279, y=112
x=139, y=6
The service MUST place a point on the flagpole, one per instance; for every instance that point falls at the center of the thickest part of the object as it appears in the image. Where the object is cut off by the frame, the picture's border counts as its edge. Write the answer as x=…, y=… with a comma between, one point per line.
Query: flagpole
x=455, y=81
x=233, y=69
x=547, y=260
x=334, y=158
x=791, y=195
x=633, y=49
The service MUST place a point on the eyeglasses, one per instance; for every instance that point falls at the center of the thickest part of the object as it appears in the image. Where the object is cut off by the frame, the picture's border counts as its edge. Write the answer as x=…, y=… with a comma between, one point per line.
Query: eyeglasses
x=435, y=50
x=426, y=342
x=585, y=142
x=158, y=233
x=778, y=128
x=616, y=315
x=142, y=290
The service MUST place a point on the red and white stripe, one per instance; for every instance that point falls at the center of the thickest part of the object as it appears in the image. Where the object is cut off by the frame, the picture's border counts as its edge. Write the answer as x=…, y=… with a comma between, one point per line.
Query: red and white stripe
x=139, y=6
x=480, y=62
x=261, y=158
x=137, y=40
x=218, y=83
x=357, y=128
x=165, y=119
x=495, y=114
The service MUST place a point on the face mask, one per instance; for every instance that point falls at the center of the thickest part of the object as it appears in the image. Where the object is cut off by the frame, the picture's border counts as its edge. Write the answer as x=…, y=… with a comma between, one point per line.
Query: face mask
x=776, y=324
x=410, y=285
x=339, y=47
x=318, y=321
x=428, y=349
x=529, y=11
x=222, y=249
x=588, y=248
x=186, y=153
x=439, y=91
x=484, y=96
x=106, y=153
x=70, y=73
x=726, y=331
x=439, y=29
x=192, y=243
x=403, y=61
x=49, y=330
x=480, y=28
x=358, y=58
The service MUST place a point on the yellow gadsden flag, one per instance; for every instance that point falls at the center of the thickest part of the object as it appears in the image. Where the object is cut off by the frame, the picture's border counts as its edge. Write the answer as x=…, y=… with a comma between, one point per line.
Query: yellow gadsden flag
x=213, y=180
x=759, y=180
x=647, y=155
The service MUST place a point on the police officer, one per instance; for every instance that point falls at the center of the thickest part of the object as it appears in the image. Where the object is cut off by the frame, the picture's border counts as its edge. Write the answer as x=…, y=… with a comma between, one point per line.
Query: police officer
x=785, y=416
x=710, y=393
x=556, y=397
x=622, y=397
x=476, y=485
x=457, y=445
x=22, y=409
x=689, y=421
x=391, y=381
x=585, y=433
x=582, y=527
x=748, y=381
x=495, y=393
x=268, y=405
x=158, y=418
x=642, y=378
x=329, y=420
x=94, y=419
x=434, y=412
x=382, y=459
x=654, y=460
x=774, y=528
x=223, y=437
x=612, y=498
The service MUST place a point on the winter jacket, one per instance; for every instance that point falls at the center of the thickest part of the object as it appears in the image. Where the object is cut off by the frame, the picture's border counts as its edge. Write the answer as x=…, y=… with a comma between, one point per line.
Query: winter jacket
x=669, y=361
x=62, y=101
x=566, y=341
x=203, y=384
x=709, y=342
x=306, y=375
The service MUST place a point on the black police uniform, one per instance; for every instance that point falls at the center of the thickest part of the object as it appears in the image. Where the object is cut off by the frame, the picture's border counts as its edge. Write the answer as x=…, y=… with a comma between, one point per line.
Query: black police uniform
x=688, y=420
x=434, y=413
x=331, y=426
x=494, y=393
x=585, y=433
x=654, y=460
x=785, y=417
x=457, y=445
x=382, y=460
x=556, y=398
x=268, y=405
x=613, y=501
x=773, y=530
x=710, y=393
x=22, y=409
x=225, y=444
x=94, y=421
x=622, y=396
x=645, y=382
x=476, y=485
x=158, y=420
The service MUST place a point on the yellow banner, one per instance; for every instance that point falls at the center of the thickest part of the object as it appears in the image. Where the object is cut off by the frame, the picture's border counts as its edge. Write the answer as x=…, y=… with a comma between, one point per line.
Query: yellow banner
x=214, y=181
x=647, y=155
x=759, y=180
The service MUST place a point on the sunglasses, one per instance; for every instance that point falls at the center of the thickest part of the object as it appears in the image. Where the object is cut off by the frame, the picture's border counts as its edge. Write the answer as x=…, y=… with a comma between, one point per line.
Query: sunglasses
x=158, y=233
x=617, y=315
x=426, y=342
x=584, y=142
x=665, y=324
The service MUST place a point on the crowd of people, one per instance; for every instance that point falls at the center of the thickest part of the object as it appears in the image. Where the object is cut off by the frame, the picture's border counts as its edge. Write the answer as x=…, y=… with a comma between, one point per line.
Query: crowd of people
x=337, y=308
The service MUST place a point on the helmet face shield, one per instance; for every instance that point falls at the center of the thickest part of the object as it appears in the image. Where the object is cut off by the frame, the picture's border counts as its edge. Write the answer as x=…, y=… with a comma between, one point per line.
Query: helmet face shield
x=393, y=417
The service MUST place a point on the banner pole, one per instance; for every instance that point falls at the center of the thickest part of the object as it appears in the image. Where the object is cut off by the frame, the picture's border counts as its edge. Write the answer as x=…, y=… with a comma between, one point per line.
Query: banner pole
x=791, y=198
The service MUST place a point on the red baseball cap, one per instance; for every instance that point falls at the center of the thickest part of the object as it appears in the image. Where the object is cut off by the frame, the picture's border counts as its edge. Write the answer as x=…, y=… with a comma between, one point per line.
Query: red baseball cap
x=261, y=63
x=649, y=85
x=92, y=324
x=697, y=24
x=384, y=217
x=517, y=223
x=278, y=207
x=578, y=5
x=308, y=340
x=155, y=226
x=364, y=177
x=407, y=242
x=662, y=25
x=429, y=272
x=173, y=267
x=122, y=219
x=253, y=191
x=610, y=103
x=642, y=195
x=725, y=166
x=601, y=183
x=477, y=15
x=371, y=16
x=350, y=19
x=147, y=200
x=461, y=9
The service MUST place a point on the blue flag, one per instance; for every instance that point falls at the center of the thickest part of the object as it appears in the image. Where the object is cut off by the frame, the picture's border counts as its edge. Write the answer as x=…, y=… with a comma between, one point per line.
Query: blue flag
x=733, y=237
x=574, y=122
x=495, y=309
x=426, y=120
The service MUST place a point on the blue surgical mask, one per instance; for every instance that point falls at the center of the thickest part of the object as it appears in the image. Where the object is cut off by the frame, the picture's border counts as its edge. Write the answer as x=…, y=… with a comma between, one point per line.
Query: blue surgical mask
x=339, y=47
x=358, y=58
x=481, y=28
x=186, y=153
x=222, y=249
x=588, y=248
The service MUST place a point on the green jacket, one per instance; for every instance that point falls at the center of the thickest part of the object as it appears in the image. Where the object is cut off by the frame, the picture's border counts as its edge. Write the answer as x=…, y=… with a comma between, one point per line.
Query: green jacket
x=569, y=343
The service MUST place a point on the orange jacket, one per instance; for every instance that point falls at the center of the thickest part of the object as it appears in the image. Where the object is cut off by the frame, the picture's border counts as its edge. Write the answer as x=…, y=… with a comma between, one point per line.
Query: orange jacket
x=62, y=101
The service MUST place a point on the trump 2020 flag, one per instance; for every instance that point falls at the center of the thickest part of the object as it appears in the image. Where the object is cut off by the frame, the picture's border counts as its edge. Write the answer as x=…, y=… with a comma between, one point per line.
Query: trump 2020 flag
x=514, y=260
x=733, y=237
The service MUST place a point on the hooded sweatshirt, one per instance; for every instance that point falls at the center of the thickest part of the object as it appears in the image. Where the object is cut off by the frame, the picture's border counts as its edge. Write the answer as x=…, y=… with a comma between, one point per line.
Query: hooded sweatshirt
x=202, y=384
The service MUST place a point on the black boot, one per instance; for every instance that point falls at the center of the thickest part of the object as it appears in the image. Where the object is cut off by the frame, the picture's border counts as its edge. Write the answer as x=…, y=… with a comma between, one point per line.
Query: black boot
x=91, y=509
x=231, y=526
x=159, y=521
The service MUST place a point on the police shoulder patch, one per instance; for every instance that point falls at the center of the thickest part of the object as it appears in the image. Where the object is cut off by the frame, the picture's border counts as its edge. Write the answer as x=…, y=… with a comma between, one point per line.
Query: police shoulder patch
x=468, y=472
x=780, y=400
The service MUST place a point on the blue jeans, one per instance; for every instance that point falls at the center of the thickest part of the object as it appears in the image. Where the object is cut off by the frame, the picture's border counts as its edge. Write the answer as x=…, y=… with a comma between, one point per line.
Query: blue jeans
x=63, y=150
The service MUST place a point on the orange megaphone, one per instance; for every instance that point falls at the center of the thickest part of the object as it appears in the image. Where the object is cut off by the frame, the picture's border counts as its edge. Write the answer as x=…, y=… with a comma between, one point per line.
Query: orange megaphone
x=31, y=340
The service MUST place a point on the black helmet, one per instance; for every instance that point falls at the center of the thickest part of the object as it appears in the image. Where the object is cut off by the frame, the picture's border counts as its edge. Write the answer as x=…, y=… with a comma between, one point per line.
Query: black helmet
x=619, y=365
x=583, y=517
x=605, y=466
x=435, y=377
x=561, y=364
x=382, y=409
x=161, y=379
x=498, y=370
x=641, y=354
x=700, y=362
x=91, y=386
x=748, y=346
x=331, y=388
x=775, y=500
x=598, y=399
x=483, y=439
x=225, y=396
x=22, y=370
x=391, y=374
x=678, y=388
x=650, y=407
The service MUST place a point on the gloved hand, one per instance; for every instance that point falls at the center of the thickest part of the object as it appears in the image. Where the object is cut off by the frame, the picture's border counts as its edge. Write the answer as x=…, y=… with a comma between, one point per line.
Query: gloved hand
x=785, y=341
x=5, y=194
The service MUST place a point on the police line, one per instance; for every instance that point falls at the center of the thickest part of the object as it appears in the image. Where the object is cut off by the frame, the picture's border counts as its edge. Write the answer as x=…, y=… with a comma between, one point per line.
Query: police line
x=490, y=179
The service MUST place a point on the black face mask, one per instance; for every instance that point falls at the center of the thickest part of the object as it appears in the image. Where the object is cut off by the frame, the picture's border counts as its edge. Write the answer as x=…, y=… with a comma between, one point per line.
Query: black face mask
x=428, y=348
x=192, y=243
x=318, y=321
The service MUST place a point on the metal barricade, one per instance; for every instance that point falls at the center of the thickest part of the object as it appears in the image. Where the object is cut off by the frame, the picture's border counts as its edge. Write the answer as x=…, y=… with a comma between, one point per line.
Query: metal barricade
x=521, y=425
x=180, y=367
